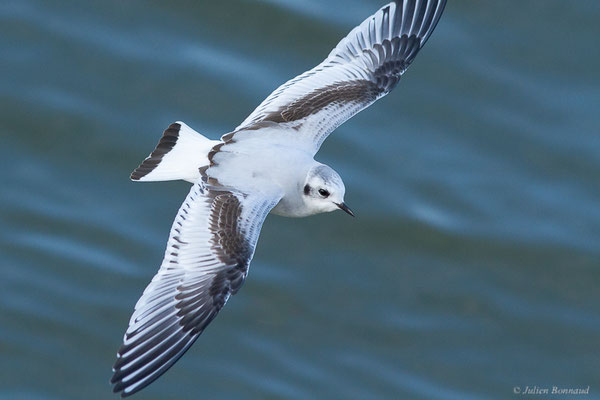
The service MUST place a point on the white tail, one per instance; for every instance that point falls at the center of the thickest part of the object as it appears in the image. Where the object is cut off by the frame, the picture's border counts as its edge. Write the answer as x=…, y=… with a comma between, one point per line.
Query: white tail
x=179, y=154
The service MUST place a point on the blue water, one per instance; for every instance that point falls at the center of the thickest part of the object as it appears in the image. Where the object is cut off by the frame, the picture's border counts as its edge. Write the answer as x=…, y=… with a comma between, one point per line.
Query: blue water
x=472, y=267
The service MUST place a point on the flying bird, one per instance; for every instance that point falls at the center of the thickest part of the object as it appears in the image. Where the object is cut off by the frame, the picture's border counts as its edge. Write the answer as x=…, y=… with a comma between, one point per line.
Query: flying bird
x=264, y=165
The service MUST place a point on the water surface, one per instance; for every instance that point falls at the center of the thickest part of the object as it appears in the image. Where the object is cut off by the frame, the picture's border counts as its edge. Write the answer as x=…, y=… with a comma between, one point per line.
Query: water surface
x=472, y=266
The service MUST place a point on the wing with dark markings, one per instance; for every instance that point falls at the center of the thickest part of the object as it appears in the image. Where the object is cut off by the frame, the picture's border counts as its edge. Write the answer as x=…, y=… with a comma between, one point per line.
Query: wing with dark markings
x=209, y=250
x=365, y=66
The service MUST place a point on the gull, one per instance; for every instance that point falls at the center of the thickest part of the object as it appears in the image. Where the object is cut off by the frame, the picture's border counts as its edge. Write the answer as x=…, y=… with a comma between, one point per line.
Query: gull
x=265, y=165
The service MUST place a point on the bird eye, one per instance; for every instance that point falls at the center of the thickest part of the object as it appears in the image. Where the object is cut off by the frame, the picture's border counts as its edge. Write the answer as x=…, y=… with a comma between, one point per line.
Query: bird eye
x=323, y=192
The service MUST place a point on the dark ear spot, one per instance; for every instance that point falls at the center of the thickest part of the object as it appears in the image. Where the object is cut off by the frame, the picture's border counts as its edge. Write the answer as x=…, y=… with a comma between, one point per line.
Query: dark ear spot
x=306, y=189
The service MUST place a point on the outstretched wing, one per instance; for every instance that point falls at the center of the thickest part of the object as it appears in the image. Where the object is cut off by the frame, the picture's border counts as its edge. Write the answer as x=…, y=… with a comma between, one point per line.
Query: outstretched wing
x=209, y=250
x=365, y=66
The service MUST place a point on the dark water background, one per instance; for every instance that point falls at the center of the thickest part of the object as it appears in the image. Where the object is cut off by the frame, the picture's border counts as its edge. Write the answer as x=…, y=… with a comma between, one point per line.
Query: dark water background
x=473, y=265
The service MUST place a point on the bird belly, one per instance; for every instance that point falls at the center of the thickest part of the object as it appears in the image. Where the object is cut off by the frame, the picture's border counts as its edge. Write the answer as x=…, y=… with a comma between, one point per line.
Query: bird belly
x=289, y=207
x=252, y=166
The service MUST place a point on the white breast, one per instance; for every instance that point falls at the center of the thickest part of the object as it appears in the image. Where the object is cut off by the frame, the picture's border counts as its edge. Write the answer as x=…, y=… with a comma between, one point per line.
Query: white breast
x=251, y=163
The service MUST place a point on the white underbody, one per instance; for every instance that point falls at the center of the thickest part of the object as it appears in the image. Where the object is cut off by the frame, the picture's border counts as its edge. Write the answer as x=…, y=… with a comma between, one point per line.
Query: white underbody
x=252, y=164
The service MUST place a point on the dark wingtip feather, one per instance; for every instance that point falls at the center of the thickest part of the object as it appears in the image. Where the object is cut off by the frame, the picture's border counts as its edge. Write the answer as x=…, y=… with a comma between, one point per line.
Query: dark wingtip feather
x=159, y=366
x=435, y=18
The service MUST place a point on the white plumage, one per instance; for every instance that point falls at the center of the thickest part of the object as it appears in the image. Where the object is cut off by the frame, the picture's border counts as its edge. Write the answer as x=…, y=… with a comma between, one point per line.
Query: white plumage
x=266, y=164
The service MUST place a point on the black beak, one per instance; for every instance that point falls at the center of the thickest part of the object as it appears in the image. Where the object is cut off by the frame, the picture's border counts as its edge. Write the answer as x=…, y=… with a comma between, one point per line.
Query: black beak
x=344, y=207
